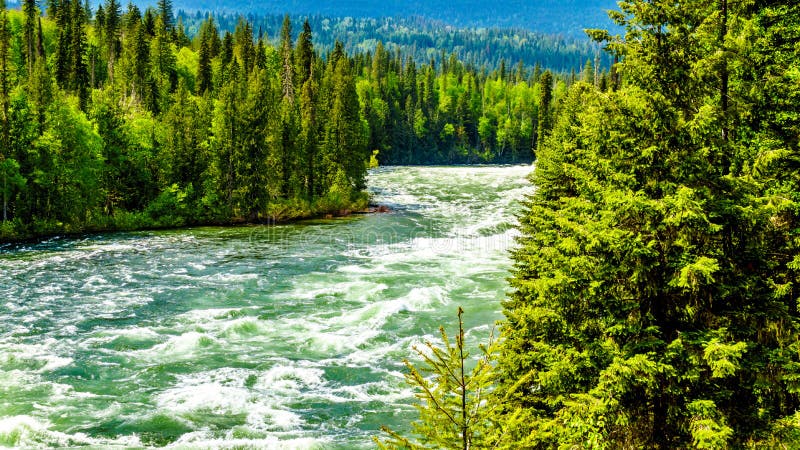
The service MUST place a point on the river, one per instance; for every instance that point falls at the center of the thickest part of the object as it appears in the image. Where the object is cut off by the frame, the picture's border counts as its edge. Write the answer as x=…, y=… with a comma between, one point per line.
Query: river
x=287, y=336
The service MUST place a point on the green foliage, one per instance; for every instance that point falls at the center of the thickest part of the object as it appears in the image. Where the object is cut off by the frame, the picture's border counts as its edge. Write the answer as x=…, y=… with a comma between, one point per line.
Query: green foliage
x=373, y=159
x=452, y=397
x=262, y=138
x=170, y=208
x=654, y=301
x=706, y=425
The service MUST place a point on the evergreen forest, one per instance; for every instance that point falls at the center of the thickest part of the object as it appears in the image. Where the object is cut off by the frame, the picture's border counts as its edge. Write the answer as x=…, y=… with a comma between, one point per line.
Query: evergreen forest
x=655, y=293
x=655, y=286
x=115, y=119
x=424, y=39
x=565, y=17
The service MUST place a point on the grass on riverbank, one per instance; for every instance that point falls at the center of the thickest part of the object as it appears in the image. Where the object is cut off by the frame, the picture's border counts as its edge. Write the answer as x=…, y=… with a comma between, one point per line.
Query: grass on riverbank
x=175, y=209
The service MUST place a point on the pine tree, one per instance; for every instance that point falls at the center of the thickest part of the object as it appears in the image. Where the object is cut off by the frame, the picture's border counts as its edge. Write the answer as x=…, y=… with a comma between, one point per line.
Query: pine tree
x=63, y=57
x=204, y=73
x=255, y=179
x=79, y=73
x=184, y=161
x=543, y=118
x=52, y=8
x=40, y=42
x=344, y=137
x=139, y=51
x=452, y=414
x=643, y=313
x=149, y=22
x=288, y=108
x=100, y=22
x=41, y=92
x=31, y=13
x=227, y=131
x=9, y=168
x=243, y=47
x=304, y=52
x=310, y=130
x=165, y=75
x=179, y=34
x=166, y=15
x=112, y=21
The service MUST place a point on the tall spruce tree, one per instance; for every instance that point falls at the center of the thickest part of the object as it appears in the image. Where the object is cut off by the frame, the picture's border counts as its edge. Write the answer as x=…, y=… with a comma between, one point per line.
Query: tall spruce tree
x=5, y=77
x=289, y=110
x=646, y=309
x=304, y=54
x=63, y=57
x=543, y=117
x=344, y=137
x=166, y=15
x=204, y=72
x=31, y=13
x=79, y=72
x=112, y=21
x=9, y=168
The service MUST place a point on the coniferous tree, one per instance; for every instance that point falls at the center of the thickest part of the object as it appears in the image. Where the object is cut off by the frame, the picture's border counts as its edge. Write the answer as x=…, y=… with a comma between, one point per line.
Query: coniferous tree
x=40, y=42
x=543, y=119
x=165, y=75
x=5, y=76
x=138, y=54
x=63, y=57
x=304, y=54
x=310, y=128
x=166, y=15
x=40, y=91
x=227, y=131
x=204, y=72
x=452, y=411
x=112, y=21
x=254, y=172
x=288, y=108
x=31, y=13
x=9, y=168
x=100, y=22
x=344, y=138
x=149, y=22
x=184, y=161
x=179, y=34
x=79, y=73
x=644, y=311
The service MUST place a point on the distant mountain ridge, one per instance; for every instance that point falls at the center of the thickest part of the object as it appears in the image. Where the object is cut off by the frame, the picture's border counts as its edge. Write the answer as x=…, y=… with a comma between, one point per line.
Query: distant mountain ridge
x=426, y=39
x=568, y=17
x=565, y=17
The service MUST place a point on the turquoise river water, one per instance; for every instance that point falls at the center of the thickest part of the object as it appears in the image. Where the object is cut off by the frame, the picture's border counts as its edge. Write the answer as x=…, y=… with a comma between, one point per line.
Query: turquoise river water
x=287, y=336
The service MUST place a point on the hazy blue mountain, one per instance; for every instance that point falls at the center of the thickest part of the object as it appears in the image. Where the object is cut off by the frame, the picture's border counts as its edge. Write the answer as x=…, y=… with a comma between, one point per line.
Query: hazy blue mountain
x=550, y=16
x=426, y=39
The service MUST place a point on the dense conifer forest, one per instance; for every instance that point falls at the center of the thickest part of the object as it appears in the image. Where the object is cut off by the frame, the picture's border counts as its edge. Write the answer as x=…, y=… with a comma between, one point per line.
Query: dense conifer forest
x=424, y=40
x=565, y=17
x=117, y=119
x=655, y=298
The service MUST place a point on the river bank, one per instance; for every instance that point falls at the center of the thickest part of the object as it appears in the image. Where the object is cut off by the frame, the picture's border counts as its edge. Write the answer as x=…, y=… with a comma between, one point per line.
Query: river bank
x=175, y=217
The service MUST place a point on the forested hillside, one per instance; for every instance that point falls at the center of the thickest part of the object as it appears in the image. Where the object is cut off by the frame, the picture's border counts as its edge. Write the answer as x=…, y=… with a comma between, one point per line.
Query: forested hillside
x=567, y=17
x=117, y=120
x=655, y=290
x=119, y=124
x=424, y=40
